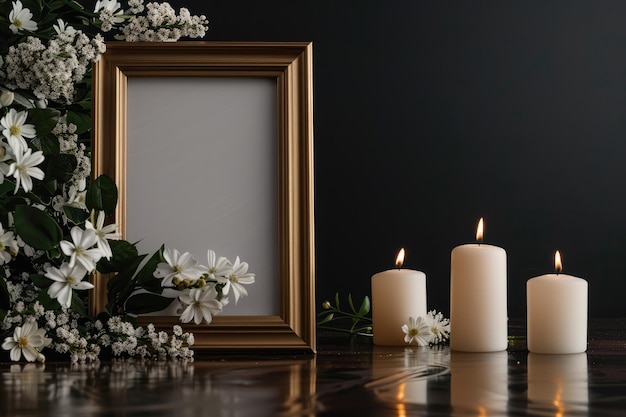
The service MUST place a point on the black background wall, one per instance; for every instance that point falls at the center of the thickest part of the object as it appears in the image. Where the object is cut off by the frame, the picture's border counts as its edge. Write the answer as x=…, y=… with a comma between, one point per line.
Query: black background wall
x=431, y=114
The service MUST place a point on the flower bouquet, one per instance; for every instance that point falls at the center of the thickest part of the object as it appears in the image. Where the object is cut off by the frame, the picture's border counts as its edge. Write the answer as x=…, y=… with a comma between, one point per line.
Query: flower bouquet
x=54, y=228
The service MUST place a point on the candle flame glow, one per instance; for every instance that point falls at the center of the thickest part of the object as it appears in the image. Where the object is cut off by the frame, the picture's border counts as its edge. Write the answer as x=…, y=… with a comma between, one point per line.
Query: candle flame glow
x=479, y=230
x=558, y=265
x=400, y=258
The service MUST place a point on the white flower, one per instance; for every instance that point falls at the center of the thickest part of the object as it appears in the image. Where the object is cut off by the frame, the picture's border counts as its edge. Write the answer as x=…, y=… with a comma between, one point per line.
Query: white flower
x=7, y=97
x=201, y=303
x=219, y=267
x=8, y=246
x=238, y=276
x=103, y=233
x=26, y=340
x=60, y=28
x=110, y=7
x=66, y=279
x=25, y=167
x=417, y=330
x=82, y=250
x=439, y=326
x=182, y=267
x=20, y=18
x=16, y=129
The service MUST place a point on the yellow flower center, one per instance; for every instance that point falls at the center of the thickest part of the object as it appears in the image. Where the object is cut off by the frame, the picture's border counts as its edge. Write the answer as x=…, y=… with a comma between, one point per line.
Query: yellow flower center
x=17, y=23
x=233, y=278
x=22, y=342
x=15, y=130
x=70, y=280
x=414, y=332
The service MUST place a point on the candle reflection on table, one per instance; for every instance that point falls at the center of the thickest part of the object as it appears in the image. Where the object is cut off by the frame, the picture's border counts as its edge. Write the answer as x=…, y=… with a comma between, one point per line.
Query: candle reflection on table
x=558, y=382
x=479, y=382
x=401, y=376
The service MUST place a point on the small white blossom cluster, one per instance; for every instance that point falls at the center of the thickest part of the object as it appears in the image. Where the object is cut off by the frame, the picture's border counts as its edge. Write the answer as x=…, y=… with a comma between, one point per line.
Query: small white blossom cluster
x=161, y=23
x=51, y=70
x=68, y=144
x=127, y=341
x=434, y=329
x=205, y=288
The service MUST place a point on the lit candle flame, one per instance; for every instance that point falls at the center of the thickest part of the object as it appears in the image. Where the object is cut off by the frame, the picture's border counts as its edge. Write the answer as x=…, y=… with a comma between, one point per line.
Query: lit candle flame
x=400, y=258
x=558, y=265
x=479, y=231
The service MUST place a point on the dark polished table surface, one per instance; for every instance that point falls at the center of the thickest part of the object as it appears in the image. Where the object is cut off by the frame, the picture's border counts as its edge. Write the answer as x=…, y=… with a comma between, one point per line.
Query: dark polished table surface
x=347, y=377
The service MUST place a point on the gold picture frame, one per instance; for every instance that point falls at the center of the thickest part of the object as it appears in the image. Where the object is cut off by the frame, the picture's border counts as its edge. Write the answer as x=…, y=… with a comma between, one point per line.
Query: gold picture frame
x=290, y=65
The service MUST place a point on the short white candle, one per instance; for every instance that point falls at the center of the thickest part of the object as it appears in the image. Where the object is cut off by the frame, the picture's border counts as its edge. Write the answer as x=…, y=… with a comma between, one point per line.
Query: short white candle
x=556, y=312
x=478, y=297
x=397, y=294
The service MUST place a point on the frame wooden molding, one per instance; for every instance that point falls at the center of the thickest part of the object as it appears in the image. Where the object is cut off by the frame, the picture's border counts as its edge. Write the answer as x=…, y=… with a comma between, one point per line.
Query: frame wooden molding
x=290, y=65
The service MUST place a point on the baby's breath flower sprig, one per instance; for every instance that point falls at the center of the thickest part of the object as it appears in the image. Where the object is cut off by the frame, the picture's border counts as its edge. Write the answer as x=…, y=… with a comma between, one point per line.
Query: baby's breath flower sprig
x=354, y=321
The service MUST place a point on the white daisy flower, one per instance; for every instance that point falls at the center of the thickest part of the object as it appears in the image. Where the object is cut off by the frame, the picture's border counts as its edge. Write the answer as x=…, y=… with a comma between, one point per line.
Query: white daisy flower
x=21, y=18
x=238, y=276
x=200, y=304
x=8, y=246
x=26, y=340
x=104, y=234
x=81, y=250
x=65, y=280
x=16, y=129
x=61, y=28
x=182, y=267
x=417, y=330
x=439, y=326
x=25, y=167
x=218, y=267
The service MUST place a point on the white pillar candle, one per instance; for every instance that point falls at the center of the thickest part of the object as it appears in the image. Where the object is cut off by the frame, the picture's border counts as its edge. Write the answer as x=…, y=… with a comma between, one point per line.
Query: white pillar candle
x=556, y=312
x=397, y=294
x=478, y=297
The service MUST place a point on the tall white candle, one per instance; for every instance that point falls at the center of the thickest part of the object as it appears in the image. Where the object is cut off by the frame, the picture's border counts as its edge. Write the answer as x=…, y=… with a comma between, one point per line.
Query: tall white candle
x=478, y=297
x=397, y=294
x=556, y=312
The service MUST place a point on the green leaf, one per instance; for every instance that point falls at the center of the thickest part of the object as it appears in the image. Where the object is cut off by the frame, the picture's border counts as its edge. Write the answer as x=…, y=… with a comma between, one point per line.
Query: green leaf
x=50, y=146
x=6, y=187
x=337, y=301
x=365, y=307
x=81, y=120
x=61, y=167
x=44, y=120
x=75, y=214
x=47, y=302
x=37, y=228
x=40, y=280
x=78, y=305
x=146, y=303
x=4, y=295
x=351, y=304
x=124, y=254
x=102, y=195
x=326, y=319
x=146, y=273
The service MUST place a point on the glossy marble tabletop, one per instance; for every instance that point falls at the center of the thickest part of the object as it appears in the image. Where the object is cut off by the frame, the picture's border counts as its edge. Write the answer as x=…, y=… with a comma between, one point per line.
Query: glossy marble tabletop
x=348, y=376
